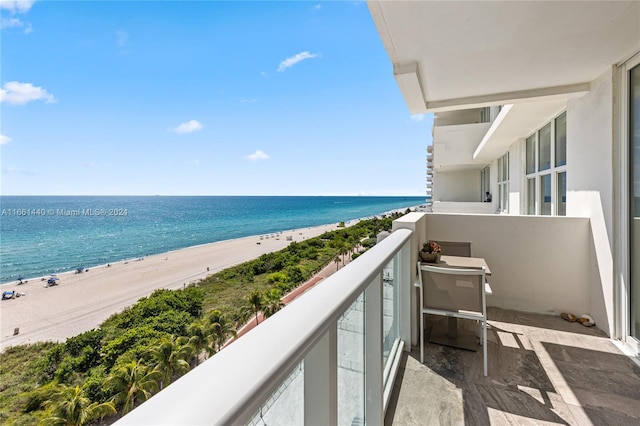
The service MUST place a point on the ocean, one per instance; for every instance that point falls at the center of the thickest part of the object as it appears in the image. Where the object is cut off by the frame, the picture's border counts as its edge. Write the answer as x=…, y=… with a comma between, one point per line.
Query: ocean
x=42, y=235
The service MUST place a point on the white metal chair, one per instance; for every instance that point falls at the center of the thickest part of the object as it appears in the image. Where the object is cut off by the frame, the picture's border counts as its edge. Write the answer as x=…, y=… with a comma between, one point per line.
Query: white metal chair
x=453, y=292
x=463, y=249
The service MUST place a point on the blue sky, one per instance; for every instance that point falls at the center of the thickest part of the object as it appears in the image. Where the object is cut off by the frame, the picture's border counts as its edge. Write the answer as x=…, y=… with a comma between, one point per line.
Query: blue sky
x=202, y=98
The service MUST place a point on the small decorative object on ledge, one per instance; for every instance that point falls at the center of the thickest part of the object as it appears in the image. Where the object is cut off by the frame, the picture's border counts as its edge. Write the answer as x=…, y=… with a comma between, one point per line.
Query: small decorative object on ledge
x=430, y=252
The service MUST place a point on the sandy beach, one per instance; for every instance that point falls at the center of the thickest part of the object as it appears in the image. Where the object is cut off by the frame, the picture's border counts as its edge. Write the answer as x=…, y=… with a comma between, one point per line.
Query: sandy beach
x=81, y=302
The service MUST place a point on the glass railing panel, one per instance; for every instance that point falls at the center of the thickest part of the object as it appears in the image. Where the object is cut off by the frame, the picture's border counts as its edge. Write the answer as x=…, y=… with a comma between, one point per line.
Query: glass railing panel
x=351, y=364
x=390, y=326
x=286, y=405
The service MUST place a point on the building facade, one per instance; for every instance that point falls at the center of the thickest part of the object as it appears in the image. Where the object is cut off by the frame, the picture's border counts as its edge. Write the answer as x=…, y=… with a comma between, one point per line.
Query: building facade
x=536, y=103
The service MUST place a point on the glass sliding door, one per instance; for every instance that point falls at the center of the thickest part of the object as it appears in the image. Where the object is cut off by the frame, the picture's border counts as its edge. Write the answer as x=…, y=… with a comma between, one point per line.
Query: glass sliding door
x=634, y=201
x=562, y=194
x=545, y=195
x=531, y=196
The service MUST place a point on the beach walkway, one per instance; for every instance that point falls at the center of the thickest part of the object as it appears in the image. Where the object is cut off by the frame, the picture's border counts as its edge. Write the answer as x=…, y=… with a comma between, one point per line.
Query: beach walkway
x=325, y=272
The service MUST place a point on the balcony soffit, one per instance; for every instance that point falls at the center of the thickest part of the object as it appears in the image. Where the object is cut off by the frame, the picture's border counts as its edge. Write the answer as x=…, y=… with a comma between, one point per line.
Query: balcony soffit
x=465, y=54
x=515, y=122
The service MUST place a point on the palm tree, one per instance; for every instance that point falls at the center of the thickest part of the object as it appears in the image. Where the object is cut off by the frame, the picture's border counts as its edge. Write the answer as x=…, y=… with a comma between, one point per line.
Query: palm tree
x=170, y=358
x=337, y=260
x=274, y=302
x=255, y=300
x=70, y=407
x=132, y=382
x=343, y=252
x=199, y=339
x=220, y=329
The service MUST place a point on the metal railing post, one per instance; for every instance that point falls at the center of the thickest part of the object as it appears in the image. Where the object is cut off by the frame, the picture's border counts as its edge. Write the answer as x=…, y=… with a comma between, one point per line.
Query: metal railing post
x=373, y=363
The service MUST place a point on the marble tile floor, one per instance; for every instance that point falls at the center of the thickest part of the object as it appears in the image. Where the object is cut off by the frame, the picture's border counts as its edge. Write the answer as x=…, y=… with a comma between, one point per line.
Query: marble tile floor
x=542, y=370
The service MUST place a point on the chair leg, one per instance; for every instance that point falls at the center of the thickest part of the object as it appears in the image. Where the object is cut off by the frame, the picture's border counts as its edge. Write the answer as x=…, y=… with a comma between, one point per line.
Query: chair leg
x=484, y=347
x=421, y=338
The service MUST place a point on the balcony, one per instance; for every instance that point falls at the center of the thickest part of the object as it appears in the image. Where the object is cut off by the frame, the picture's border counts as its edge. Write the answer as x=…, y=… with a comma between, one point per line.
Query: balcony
x=335, y=355
x=463, y=207
x=454, y=146
x=465, y=116
x=542, y=369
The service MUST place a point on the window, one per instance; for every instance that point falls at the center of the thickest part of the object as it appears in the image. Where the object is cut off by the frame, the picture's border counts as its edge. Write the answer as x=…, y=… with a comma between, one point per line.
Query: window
x=545, y=169
x=561, y=140
x=531, y=154
x=562, y=193
x=503, y=183
x=531, y=196
x=545, y=195
x=634, y=201
x=544, y=148
x=485, y=115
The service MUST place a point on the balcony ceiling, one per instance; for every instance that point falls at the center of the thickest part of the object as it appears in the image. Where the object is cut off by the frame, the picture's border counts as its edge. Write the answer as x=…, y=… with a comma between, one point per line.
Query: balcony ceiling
x=456, y=55
x=515, y=122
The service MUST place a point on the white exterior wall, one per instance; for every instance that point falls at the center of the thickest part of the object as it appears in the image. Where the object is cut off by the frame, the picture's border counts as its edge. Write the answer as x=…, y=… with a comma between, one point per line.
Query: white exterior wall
x=461, y=185
x=528, y=272
x=590, y=187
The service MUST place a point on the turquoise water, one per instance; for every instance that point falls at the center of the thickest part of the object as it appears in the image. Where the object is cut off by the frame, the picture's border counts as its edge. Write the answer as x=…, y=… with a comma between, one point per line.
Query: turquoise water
x=46, y=235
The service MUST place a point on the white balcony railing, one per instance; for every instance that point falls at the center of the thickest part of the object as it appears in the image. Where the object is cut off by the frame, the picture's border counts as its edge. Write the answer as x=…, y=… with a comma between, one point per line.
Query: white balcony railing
x=330, y=357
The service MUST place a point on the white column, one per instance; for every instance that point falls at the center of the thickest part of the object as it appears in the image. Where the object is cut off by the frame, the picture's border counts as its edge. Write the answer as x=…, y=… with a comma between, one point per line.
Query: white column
x=321, y=381
x=373, y=367
x=405, y=268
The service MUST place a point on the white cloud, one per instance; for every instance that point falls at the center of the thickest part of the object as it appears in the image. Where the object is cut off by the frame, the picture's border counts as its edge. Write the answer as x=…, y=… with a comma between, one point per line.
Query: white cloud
x=417, y=117
x=13, y=170
x=4, y=139
x=15, y=23
x=17, y=93
x=16, y=6
x=248, y=101
x=258, y=155
x=10, y=23
x=317, y=6
x=122, y=38
x=187, y=127
x=291, y=61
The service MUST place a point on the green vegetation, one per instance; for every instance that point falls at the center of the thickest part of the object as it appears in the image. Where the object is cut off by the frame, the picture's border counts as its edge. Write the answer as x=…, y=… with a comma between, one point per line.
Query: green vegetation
x=111, y=370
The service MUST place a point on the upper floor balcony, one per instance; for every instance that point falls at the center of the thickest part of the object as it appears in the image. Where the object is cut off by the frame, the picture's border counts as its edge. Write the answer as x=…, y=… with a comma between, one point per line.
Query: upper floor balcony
x=341, y=353
x=463, y=207
x=454, y=146
x=465, y=116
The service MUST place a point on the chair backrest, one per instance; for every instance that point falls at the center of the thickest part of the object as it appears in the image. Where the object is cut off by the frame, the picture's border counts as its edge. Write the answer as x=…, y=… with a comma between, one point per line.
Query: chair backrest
x=455, y=248
x=453, y=290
